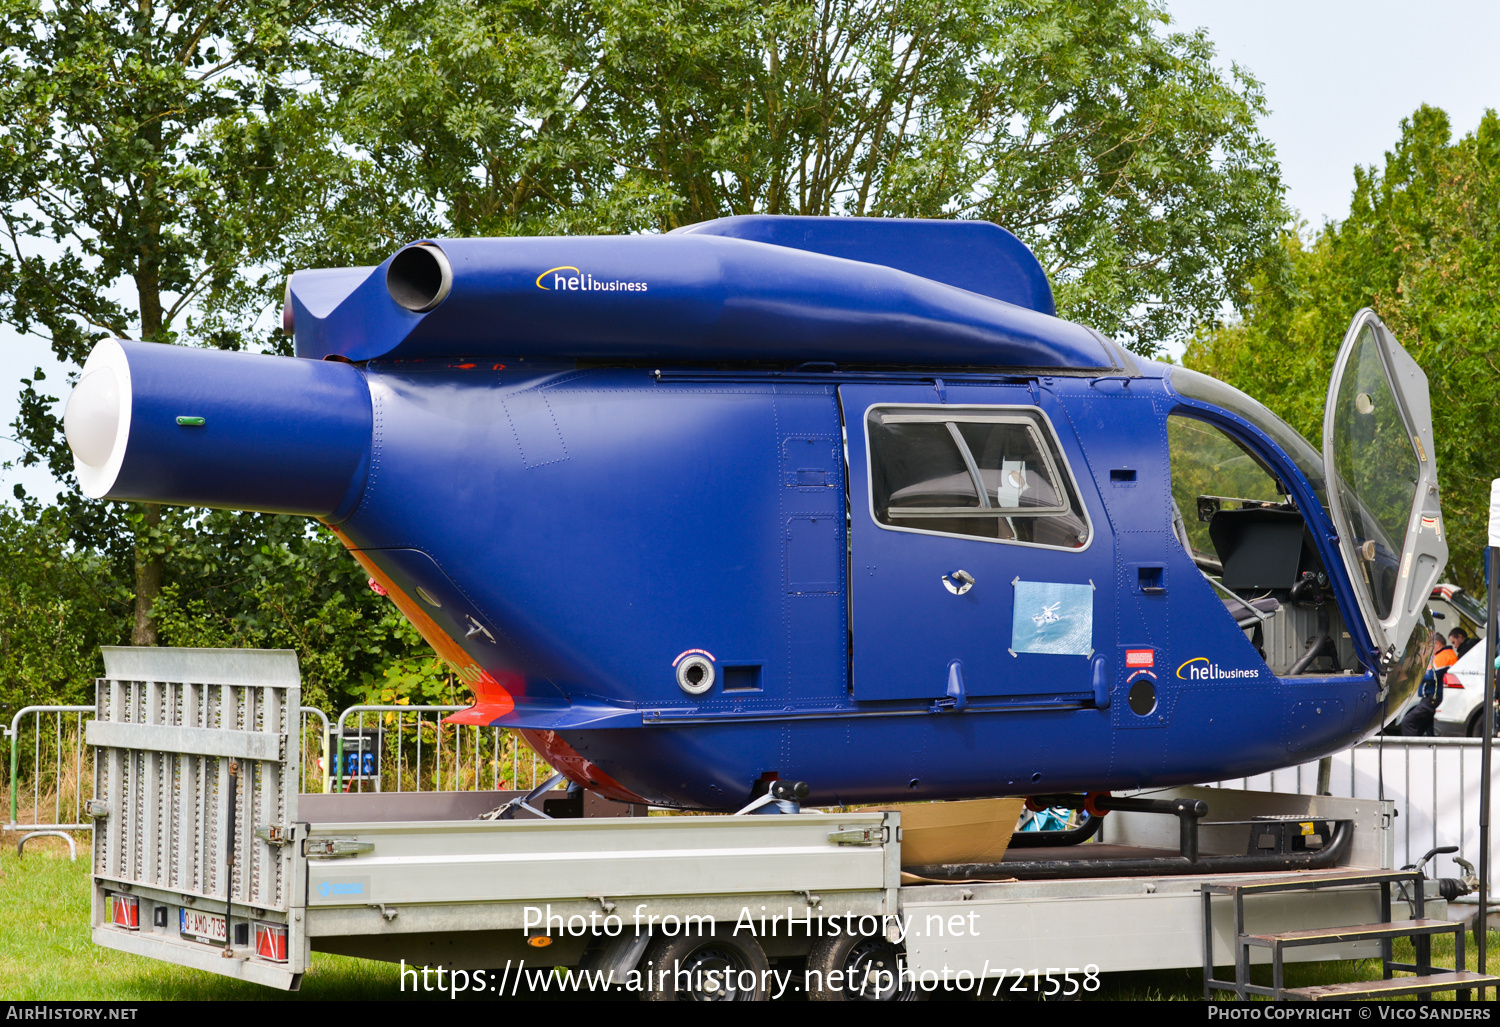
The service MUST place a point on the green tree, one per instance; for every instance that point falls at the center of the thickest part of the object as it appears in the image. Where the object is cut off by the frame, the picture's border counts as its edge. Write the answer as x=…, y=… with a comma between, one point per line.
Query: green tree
x=262, y=581
x=57, y=606
x=1421, y=246
x=151, y=156
x=1133, y=168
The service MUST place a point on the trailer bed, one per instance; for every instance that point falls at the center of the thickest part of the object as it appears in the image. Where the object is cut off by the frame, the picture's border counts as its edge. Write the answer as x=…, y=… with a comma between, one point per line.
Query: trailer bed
x=249, y=888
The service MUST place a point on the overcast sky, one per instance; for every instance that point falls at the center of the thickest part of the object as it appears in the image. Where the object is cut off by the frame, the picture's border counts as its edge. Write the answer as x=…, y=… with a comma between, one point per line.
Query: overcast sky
x=1338, y=77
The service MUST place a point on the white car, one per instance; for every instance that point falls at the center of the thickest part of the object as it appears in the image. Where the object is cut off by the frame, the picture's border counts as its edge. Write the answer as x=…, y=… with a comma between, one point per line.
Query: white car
x=1463, y=693
x=1451, y=607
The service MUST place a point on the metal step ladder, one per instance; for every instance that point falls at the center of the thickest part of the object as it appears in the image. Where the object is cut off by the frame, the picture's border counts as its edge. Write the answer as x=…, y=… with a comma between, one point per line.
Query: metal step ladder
x=1420, y=929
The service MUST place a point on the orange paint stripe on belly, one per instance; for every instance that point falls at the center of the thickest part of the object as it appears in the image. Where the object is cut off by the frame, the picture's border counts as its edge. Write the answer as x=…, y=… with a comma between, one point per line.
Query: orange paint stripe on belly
x=490, y=697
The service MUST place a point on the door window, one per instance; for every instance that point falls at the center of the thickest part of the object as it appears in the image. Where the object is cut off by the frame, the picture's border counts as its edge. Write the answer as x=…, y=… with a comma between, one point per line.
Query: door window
x=982, y=474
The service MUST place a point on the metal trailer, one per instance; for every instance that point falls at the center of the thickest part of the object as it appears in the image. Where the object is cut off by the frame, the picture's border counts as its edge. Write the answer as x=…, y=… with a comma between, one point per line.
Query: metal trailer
x=206, y=855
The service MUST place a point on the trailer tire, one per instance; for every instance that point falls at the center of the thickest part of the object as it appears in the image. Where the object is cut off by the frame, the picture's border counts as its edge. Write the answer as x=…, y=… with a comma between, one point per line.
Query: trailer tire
x=869, y=969
x=718, y=969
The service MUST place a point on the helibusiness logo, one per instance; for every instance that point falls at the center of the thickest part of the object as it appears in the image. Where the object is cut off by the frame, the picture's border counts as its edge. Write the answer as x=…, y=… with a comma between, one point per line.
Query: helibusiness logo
x=1200, y=669
x=553, y=280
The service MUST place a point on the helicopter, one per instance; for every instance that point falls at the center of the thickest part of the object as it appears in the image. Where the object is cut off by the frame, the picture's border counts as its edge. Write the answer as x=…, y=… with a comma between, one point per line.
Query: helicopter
x=831, y=500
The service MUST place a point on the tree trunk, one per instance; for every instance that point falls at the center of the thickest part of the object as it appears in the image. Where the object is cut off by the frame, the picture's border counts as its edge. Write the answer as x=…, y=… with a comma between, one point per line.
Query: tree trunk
x=148, y=562
x=147, y=581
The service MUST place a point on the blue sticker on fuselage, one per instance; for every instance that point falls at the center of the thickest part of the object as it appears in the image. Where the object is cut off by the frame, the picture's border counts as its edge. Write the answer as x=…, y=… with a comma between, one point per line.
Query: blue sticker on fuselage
x=1053, y=618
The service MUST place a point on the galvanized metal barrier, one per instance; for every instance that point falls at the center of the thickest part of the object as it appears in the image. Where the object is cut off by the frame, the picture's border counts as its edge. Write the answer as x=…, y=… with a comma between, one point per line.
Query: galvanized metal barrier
x=1433, y=781
x=317, y=744
x=409, y=749
x=51, y=775
x=59, y=776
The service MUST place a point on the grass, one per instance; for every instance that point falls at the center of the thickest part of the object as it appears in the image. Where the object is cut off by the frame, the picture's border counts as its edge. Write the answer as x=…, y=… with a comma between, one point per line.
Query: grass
x=1169, y=985
x=46, y=953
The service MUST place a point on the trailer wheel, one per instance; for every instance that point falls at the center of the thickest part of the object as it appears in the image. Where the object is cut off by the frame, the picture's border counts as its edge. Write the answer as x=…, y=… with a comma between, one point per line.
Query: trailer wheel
x=708, y=968
x=865, y=969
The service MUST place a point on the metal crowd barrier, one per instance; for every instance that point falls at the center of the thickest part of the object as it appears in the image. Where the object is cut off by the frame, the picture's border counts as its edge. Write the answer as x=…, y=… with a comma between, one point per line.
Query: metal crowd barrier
x=1433, y=781
x=61, y=772
x=408, y=749
x=51, y=776
x=319, y=767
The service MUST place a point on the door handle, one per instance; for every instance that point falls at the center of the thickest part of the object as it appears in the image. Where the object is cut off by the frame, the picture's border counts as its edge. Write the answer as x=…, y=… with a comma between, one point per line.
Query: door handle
x=958, y=582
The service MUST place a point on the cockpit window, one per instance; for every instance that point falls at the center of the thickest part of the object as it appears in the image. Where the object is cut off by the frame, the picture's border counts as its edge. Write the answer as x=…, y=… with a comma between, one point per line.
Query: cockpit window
x=1252, y=544
x=977, y=472
x=1212, y=472
x=1209, y=390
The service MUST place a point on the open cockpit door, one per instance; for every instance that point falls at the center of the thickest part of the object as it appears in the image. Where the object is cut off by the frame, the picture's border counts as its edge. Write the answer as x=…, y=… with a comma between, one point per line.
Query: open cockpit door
x=1382, y=475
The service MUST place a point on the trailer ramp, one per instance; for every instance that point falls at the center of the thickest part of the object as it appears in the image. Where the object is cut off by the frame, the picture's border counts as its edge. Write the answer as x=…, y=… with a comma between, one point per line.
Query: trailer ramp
x=196, y=782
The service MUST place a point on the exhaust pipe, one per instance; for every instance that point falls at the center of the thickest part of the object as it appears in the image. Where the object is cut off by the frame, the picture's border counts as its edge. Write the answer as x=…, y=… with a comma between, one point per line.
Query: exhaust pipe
x=419, y=277
x=239, y=431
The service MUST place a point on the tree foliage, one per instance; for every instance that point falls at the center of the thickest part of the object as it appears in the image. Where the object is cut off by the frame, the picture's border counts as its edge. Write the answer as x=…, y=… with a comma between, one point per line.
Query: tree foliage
x=162, y=168
x=152, y=156
x=158, y=147
x=1111, y=146
x=261, y=581
x=1421, y=246
x=57, y=607
x=235, y=581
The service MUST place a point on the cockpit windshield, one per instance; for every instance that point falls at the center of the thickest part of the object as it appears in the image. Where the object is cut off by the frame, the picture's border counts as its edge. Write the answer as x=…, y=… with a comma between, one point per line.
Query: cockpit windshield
x=1240, y=521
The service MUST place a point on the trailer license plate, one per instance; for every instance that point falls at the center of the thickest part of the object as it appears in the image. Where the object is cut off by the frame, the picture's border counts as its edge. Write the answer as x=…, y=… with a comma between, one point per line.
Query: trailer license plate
x=207, y=927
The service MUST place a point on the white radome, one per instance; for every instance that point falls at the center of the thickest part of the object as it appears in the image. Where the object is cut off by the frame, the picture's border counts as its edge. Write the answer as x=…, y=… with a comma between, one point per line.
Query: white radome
x=97, y=419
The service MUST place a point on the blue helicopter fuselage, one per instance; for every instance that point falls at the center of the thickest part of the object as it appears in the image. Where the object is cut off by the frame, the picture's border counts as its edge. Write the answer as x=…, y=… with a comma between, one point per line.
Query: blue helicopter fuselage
x=625, y=518
x=686, y=568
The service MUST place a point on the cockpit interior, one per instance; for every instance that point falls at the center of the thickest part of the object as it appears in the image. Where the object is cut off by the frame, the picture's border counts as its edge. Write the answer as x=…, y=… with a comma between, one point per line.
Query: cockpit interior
x=1243, y=529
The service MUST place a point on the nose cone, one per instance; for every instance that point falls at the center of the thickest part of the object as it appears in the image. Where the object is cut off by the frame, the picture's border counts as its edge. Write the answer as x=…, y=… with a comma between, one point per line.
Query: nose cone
x=93, y=417
x=97, y=419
